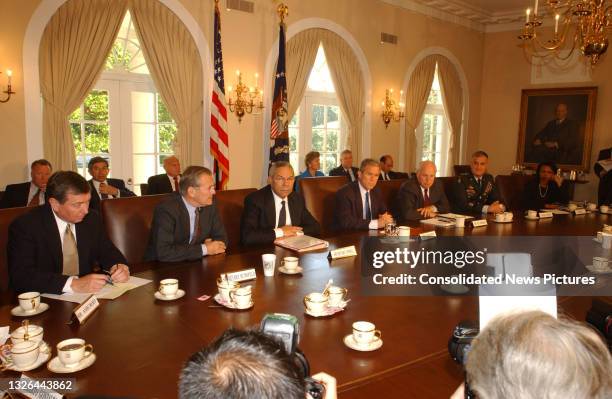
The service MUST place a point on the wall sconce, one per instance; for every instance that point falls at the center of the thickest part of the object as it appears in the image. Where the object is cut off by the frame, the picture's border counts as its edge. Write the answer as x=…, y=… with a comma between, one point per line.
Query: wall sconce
x=245, y=100
x=8, y=90
x=391, y=110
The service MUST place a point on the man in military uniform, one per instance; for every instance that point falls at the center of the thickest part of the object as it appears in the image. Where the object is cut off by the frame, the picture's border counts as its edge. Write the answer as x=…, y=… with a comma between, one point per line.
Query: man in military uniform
x=476, y=192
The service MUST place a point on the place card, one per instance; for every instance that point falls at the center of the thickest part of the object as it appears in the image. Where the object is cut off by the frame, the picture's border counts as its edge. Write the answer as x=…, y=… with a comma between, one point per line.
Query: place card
x=242, y=275
x=544, y=215
x=86, y=309
x=343, y=252
x=479, y=223
x=580, y=211
x=428, y=235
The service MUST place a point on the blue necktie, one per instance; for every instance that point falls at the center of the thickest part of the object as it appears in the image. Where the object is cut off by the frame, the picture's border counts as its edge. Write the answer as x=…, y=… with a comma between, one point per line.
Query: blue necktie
x=367, y=205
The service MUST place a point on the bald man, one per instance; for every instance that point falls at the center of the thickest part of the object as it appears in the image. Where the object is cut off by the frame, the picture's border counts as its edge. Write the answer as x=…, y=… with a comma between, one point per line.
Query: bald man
x=166, y=182
x=559, y=141
x=421, y=198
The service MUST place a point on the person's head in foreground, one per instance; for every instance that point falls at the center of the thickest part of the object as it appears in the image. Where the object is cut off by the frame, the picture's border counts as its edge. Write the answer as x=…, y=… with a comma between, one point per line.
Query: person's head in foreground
x=243, y=365
x=532, y=355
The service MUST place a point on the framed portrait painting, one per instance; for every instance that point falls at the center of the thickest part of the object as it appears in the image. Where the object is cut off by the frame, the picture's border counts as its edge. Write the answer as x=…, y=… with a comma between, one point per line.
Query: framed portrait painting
x=557, y=125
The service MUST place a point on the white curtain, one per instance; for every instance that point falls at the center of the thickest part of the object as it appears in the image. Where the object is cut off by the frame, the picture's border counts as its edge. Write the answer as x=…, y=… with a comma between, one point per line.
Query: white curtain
x=176, y=68
x=452, y=96
x=73, y=49
x=300, y=55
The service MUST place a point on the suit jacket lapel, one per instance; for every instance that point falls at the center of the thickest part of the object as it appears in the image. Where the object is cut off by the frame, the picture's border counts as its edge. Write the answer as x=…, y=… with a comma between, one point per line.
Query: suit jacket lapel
x=183, y=217
x=269, y=208
x=53, y=238
x=358, y=202
x=95, y=198
x=293, y=209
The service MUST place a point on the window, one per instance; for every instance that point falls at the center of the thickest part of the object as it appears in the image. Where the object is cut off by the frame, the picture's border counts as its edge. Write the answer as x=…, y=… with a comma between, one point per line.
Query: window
x=124, y=118
x=317, y=125
x=433, y=132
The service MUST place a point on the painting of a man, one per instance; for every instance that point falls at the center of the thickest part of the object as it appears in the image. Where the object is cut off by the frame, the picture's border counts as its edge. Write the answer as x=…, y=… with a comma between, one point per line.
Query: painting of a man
x=560, y=141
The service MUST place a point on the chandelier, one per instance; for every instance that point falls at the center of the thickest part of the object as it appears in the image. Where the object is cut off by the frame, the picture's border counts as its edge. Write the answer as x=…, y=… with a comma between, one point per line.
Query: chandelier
x=582, y=24
x=391, y=110
x=243, y=99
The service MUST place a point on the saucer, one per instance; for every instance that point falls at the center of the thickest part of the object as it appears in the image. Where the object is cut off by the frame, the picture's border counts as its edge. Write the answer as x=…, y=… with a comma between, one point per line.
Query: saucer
x=179, y=294
x=597, y=271
x=390, y=239
x=528, y=218
x=372, y=346
x=505, y=221
x=55, y=366
x=297, y=270
x=19, y=312
x=43, y=356
x=219, y=299
x=328, y=311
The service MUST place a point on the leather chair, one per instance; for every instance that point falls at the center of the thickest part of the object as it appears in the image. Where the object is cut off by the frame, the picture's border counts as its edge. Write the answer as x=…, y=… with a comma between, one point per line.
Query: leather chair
x=447, y=183
x=144, y=189
x=511, y=189
x=389, y=190
x=231, y=204
x=6, y=218
x=462, y=170
x=320, y=196
x=128, y=223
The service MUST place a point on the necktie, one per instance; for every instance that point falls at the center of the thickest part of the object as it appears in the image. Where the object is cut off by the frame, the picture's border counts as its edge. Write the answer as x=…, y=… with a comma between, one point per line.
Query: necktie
x=282, y=216
x=70, y=254
x=368, y=212
x=35, y=201
x=103, y=196
x=479, y=181
x=196, y=227
x=176, y=183
x=426, y=198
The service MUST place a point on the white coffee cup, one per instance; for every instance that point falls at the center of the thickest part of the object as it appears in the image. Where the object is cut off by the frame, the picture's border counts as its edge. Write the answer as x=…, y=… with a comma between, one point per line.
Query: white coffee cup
x=404, y=233
x=71, y=351
x=290, y=263
x=364, y=332
x=269, y=263
x=591, y=206
x=604, y=208
x=599, y=237
x=241, y=297
x=606, y=240
x=168, y=287
x=226, y=287
x=460, y=222
x=600, y=263
x=336, y=295
x=572, y=207
x=607, y=228
x=29, y=301
x=508, y=216
x=316, y=302
x=34, y=333
x=532, y=214
x=25, y=353
x=500, y=217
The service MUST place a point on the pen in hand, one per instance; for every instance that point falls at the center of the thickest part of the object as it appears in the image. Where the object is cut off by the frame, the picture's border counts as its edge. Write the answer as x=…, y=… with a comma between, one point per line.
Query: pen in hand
x=109, y=280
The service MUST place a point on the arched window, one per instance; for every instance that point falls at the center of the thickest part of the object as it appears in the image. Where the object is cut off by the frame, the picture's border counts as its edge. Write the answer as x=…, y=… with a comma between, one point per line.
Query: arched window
x=317, y=125
x=123, y=118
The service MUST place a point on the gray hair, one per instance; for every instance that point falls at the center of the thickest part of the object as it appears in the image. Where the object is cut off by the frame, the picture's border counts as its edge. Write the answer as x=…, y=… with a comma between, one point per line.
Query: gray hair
x=532, y=355
x=422, y=164
x=191, y=178
x=345, y=152
x=277, y=165
x=368, y=162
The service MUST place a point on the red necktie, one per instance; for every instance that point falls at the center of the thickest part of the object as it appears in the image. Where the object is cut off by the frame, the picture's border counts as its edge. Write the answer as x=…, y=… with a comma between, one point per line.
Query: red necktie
x=426, y=198
x=176, y=183
x=35, y=201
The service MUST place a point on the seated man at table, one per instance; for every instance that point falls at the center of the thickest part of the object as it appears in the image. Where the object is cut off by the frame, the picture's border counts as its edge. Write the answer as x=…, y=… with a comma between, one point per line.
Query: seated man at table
x=101, y=187
x=423, y=198
x=477, y=192
x=245, y=365
x=604, y=193
x=54, y=248
x=31, y=193
x=359, y=205
x=166, y=182
x=276, y=211
x=187, y=226
x=346, y=167
x=532, y=355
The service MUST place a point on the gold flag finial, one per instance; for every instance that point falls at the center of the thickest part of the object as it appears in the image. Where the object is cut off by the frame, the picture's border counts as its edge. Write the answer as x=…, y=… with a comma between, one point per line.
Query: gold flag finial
x=282, y=11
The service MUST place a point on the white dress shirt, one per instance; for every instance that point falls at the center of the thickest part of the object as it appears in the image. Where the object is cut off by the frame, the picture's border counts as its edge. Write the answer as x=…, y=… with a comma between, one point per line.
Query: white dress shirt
x=191, y=210
x=97, y=187
x=384, y=175
x=278, y=232
x=374, y=222
x=33, y=190
x=350, y=173
x=178, y=178
x=61, y=227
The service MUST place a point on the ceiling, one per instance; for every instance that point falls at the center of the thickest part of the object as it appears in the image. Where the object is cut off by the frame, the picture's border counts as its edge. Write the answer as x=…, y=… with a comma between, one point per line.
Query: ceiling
x=496, y=6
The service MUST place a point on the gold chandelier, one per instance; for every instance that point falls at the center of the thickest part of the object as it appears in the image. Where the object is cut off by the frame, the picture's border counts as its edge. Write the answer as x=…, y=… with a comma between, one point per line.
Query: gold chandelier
x=391, y=110
x=243, y=99
x=583, y=24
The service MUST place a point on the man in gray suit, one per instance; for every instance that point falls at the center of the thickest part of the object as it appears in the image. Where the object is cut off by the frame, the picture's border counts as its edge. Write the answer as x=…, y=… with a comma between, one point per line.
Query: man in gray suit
x=423, y=198
x=187, y=226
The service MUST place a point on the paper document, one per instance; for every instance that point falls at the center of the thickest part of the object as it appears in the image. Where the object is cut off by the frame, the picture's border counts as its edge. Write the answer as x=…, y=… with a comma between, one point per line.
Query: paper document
x=455, y=216
x=438, y=222
x=606, y=164
x=555, y=211
x=108, y=292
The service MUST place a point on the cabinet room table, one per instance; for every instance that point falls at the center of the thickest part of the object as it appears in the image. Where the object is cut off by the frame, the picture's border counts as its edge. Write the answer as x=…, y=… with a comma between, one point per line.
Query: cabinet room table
x=141, y=343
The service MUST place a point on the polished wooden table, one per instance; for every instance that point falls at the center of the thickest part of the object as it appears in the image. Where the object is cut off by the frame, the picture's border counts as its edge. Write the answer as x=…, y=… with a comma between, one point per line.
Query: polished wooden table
x=141, y=343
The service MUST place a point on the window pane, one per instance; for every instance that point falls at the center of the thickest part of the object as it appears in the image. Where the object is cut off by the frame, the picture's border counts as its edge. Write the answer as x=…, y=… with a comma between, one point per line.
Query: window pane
x=167, y=133
x=81, y=164
x=320, y=78
x=317, y=139
x=328, y=162
x=293, y=139
x=96, y=106
x=76, y=115
x=144, y=166
x=143, y=138
x=333, y=117
x=96, y=138
x=318, y=117
x=163, y=115
x=143, y=107
x=332, y=141
x=75, y=129
x=295, y=161
x=295, y=121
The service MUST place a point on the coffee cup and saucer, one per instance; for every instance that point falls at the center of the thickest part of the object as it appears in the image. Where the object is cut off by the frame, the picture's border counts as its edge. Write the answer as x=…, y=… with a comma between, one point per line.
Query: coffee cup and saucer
x=169, y=290
x=504, y=217
x=72, y=355
x=29, y=305
x=336, y=297
x=24, y=356
x=600, y=265
x=365, y=337
x=289, y=265
x=317, y=305
x=531, y=215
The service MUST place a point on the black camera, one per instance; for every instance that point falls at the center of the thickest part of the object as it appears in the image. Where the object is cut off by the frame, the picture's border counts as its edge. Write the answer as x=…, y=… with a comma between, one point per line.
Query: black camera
x=459, y=346
x=286, y=329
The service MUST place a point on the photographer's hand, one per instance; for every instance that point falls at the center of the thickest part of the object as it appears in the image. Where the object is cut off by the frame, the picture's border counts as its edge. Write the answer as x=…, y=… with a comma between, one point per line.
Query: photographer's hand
x=330, y=384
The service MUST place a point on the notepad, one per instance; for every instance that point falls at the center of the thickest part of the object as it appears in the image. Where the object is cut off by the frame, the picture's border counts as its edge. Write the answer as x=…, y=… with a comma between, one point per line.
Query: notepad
x=302, y=243
x=438, y=222
x=108, y=292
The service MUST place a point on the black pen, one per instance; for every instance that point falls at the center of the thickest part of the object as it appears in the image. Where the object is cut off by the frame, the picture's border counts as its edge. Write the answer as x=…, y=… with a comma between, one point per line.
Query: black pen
x=109, y=280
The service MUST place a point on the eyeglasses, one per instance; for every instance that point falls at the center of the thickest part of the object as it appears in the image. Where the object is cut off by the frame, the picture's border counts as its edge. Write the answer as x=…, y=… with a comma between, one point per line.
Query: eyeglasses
x=280, y=179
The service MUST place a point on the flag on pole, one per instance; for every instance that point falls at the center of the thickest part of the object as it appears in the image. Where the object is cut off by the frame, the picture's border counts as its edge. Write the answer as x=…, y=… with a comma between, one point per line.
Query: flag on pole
x=279, y=133
x=219, y=139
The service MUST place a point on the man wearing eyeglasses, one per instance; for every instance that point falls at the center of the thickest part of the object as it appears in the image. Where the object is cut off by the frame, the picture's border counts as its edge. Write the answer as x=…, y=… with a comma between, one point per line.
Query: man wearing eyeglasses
x=276, y=211
x=187, y=225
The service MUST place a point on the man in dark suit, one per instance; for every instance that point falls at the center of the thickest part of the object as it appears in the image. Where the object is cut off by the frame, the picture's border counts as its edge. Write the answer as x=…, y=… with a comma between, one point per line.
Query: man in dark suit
x=30, y=193
x=421, y=198
x=604, y=195
x=276, y=211
x=187, y=225
x=54, y=248
x=167, y=182
x=101, y=187
x=386, y=169
x=560, y=141
x=359, y=205
x=477, y=192
x=346, y=167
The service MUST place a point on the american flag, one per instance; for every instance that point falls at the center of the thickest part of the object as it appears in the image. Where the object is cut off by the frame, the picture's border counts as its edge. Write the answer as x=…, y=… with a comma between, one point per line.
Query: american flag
x=219, y=140
x=279, y=133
